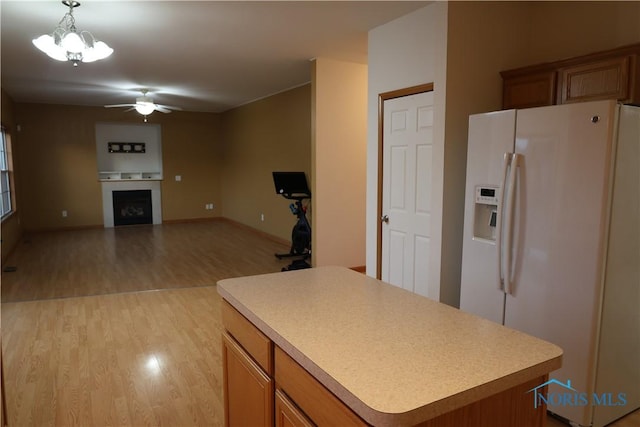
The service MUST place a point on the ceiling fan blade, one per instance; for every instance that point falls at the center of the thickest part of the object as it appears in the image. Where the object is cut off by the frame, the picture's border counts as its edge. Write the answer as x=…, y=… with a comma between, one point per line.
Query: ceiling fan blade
x=162, y=109
x=169, y=107
x=119, y=105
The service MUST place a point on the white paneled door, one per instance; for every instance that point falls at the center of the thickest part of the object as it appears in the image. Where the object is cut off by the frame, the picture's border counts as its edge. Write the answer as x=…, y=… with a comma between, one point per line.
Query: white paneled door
x=406, y=191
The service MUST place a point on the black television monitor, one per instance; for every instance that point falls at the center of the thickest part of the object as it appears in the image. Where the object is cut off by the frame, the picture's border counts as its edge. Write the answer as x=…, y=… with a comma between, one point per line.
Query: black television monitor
x=291, y=183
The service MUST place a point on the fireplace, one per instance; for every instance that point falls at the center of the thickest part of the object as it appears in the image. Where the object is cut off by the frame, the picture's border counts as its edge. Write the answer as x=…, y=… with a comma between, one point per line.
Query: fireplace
x=132, y=207
x=125, y=186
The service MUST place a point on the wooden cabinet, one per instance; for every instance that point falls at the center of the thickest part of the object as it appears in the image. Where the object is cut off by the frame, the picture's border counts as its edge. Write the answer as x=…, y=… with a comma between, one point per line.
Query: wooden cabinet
x=613, y=74
x=288, y=414
x=529, y=89
x=319, y=404
x=257, y=344
x=248, y=390
x=606, y=79
x=247, y=358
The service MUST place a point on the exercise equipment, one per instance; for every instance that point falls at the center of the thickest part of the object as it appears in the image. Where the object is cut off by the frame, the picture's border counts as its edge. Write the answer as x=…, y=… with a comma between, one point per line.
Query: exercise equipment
x=293, y=186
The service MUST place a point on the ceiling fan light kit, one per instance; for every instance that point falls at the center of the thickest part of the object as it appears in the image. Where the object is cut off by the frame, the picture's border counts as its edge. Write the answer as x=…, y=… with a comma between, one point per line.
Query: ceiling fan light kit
x=145, y=108
x=66, y=43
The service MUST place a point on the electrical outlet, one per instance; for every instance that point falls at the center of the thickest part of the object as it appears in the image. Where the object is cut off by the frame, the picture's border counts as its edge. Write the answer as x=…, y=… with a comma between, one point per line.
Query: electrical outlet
x=64, y=214
x=178, y=178
x=262, y=217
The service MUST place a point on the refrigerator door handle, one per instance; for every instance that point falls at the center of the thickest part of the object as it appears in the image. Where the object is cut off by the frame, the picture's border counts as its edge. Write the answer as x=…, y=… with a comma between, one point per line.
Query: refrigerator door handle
x=508, y=241
x=499, y=244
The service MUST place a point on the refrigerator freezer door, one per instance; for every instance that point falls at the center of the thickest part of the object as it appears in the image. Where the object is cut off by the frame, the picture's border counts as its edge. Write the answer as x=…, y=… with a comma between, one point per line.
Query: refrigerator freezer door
x=561, y=208
x=491, y=135
x=619, y=348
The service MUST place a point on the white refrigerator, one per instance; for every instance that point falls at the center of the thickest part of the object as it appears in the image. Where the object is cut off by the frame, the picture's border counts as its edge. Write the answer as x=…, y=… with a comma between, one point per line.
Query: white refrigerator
x=552, y=244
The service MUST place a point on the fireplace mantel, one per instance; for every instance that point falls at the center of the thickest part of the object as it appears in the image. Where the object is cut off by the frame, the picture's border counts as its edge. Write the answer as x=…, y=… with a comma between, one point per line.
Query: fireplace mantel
x=129, y=176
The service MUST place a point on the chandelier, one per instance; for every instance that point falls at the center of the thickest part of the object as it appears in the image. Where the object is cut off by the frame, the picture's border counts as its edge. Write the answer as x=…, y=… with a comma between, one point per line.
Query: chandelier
x=66, y=43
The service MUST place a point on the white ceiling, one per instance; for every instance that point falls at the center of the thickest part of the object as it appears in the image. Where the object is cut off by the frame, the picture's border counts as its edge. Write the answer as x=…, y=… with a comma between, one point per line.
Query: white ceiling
x=198, y=55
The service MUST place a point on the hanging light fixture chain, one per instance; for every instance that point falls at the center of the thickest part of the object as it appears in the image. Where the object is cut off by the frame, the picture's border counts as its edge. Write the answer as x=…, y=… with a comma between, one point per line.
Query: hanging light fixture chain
x=68, y=18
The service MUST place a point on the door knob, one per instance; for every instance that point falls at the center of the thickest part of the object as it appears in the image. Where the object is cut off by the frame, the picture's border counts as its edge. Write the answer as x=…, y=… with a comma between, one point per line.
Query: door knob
x=385, y=219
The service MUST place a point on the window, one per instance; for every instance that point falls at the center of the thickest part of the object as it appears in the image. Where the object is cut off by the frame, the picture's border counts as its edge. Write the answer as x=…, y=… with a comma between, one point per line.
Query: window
x=6, y=206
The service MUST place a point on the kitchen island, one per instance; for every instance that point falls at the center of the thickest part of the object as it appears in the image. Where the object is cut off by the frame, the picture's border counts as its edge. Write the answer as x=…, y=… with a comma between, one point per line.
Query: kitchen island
x=329, y=346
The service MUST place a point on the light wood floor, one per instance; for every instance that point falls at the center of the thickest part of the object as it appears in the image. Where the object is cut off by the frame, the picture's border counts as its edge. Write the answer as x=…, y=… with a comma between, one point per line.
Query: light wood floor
x=133, y=359
x=124, y=259
x=93, y=336
x=126, y=358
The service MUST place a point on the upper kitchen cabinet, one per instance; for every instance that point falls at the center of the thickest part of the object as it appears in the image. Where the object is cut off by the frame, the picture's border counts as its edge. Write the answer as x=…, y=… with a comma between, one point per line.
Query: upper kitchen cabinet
x=600, y=79
x=612, y=74
x=526, y=87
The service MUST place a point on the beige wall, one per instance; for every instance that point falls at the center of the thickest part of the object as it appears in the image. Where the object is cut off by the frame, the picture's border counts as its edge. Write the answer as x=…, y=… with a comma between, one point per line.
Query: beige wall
x=272, y=134
x=559, y=30
x=339, y=153
x=59, y=169
x=191, y=148
x=11, y=226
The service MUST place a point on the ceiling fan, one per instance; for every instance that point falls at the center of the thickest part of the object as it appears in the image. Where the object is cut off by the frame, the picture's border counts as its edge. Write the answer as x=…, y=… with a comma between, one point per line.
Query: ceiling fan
x=145, y=105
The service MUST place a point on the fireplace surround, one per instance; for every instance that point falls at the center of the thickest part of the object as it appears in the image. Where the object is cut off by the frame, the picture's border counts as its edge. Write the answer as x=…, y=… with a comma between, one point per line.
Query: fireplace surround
x=109, y=187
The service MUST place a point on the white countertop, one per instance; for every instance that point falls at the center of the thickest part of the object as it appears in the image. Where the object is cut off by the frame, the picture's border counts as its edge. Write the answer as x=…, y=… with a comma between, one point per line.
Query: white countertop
x=390, y=355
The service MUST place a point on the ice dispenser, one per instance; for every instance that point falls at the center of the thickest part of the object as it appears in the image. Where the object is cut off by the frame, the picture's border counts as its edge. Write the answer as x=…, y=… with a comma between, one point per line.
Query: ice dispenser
x=486, y=212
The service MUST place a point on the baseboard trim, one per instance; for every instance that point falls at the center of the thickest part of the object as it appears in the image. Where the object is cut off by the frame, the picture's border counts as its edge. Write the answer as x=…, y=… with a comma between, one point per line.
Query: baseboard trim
x=71, y=228
x=235, y=223
x=261, y=233
x=191, y=220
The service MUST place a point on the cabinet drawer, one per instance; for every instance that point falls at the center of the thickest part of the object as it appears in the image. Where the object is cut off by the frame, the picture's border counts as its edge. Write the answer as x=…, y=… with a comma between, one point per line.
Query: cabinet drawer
x=257, y=344
x=318, y=403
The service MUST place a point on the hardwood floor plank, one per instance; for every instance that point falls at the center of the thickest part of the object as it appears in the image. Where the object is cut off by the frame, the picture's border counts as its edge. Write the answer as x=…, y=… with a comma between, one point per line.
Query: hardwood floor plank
x=147, y=358
x=129, y=259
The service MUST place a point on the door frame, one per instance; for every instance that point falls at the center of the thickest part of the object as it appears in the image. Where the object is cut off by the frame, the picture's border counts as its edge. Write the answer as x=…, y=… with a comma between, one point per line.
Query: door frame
x=382, y=97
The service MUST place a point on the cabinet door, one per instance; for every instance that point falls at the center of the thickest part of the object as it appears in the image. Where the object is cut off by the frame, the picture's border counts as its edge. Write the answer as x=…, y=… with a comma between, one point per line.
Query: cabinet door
x=606, y=79
x=528, y=90
x=248, y=391
x=288, y=414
